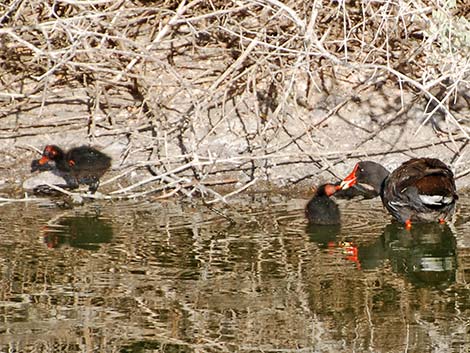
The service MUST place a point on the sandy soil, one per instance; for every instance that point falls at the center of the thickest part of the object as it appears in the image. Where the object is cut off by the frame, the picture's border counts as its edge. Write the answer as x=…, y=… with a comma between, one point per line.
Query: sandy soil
x=188, y=98
x=306, y=149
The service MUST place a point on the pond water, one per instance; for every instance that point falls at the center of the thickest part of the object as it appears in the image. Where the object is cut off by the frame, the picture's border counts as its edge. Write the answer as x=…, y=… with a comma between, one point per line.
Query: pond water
x=249, y=277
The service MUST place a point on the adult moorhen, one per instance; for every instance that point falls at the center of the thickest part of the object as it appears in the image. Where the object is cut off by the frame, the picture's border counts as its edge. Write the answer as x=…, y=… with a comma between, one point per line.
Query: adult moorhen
x=321, y=209
x=420, y=190
x=80, y=165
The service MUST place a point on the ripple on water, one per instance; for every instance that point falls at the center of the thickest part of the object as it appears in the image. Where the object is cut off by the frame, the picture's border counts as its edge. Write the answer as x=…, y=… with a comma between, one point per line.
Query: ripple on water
x=244, y=277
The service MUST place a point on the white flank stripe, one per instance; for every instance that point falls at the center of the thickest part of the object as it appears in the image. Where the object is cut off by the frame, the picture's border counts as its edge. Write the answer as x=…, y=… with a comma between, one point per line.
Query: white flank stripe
x=435, y=199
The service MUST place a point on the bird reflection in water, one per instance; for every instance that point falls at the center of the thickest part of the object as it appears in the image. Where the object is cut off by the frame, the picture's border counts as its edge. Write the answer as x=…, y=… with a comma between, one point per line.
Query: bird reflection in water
x=326, y=238
x=426, y=254
x=84, y=232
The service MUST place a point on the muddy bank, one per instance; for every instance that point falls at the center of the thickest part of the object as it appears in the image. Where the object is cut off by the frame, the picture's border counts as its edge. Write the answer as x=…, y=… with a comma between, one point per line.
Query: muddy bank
x=191, y=98
x=323, y=153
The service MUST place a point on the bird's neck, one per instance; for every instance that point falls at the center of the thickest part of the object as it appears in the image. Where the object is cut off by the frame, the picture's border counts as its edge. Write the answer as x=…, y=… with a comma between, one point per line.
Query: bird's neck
x=62, y=163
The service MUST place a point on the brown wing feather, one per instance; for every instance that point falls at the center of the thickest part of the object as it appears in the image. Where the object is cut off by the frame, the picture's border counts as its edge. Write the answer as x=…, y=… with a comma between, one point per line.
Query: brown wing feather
x=430, y=176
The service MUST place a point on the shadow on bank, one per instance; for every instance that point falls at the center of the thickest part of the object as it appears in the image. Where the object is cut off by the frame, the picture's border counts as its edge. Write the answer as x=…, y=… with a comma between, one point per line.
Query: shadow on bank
x=426, y=254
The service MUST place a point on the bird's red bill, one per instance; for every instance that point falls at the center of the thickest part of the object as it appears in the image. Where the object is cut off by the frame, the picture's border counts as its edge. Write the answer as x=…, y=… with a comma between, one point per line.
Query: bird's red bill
x=350, y=180
x=43, y=160
x=330, y=189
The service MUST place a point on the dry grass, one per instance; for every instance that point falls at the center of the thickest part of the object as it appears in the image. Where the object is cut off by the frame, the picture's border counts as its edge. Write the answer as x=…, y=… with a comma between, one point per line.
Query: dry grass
x=201, y=90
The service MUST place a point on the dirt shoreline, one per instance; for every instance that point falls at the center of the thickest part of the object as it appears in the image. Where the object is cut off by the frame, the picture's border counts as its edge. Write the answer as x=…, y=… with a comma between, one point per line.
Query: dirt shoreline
x=244, y=95
x=293, y=171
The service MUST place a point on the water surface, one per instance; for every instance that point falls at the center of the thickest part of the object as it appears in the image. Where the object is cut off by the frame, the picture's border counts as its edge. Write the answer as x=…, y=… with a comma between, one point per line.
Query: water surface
x=249, y=277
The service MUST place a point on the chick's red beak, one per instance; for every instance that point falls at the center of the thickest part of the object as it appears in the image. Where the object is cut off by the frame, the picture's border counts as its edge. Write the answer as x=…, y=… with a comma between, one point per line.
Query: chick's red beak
x=350, y=180
x=43, y=160
x=330, y=189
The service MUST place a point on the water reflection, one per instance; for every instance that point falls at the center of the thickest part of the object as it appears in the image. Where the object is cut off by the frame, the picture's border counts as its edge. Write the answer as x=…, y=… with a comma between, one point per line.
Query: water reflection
x=84, y=232
x=175, y=277
x=323, y=235
x=326, y=237
x=426, y=254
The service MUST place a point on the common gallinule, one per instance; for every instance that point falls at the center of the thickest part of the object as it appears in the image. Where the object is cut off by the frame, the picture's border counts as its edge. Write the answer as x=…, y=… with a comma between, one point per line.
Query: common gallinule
x=80, y=165
x=420, y=190
x=321, y=209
